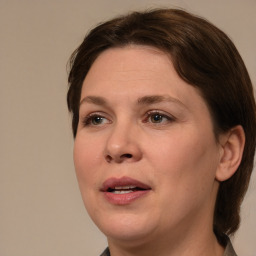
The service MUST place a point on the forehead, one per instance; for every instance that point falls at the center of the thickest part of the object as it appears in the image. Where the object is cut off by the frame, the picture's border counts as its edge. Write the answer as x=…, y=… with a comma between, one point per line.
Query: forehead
x=132, y=65
x=135, y=67
x=129, y=62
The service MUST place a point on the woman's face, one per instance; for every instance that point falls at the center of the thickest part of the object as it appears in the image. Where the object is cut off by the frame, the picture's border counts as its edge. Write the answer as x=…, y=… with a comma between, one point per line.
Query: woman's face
x=145, y=153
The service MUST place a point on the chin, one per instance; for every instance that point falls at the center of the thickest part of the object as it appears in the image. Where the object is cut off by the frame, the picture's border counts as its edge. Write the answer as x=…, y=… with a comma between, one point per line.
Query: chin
x=125, y=227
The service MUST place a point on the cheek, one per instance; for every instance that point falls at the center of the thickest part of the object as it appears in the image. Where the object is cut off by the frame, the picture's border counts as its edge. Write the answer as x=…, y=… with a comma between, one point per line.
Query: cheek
x=186, y=158
x=86, y=161
x=87, y=150
x=86, y=158
x=185, y=168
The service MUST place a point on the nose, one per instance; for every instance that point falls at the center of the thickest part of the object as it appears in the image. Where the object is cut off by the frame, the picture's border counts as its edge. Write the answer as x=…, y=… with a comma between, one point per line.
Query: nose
x=123, y=145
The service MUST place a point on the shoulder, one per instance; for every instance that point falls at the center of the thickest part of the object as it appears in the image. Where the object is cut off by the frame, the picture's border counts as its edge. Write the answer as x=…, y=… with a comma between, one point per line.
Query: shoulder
x=106, y=252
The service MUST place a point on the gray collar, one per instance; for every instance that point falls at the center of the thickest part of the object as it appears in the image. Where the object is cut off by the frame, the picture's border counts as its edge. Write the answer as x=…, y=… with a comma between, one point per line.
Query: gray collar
x=229, y=251
x=106, y=252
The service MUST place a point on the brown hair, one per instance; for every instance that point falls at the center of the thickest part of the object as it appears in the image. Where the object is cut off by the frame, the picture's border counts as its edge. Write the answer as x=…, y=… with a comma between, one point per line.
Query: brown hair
x=204, y=57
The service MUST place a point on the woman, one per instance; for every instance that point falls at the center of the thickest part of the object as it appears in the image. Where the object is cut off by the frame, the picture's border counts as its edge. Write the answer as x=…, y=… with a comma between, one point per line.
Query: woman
x=164, y=126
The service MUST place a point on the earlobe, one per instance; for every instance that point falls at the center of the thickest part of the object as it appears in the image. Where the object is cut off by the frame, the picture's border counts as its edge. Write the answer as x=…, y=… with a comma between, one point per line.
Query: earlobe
x=232, y=147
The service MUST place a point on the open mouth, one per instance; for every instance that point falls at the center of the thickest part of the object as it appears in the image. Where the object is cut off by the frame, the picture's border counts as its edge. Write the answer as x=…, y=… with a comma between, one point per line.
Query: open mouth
x=124, y=189
x=123, y=185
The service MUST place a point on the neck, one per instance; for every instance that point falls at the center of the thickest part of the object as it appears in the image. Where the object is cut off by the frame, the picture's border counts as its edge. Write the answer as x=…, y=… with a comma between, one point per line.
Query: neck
x=178, y=245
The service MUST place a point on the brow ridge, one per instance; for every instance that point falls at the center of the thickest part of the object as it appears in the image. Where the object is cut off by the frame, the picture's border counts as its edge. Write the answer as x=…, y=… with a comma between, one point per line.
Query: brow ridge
x=145, y=100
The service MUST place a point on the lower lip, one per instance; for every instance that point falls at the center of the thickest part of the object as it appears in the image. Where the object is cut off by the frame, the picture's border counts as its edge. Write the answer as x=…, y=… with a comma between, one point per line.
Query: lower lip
x=124, y=199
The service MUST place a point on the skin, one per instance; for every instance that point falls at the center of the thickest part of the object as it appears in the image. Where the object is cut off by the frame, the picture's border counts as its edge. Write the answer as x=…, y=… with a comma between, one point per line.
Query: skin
x=177, y=155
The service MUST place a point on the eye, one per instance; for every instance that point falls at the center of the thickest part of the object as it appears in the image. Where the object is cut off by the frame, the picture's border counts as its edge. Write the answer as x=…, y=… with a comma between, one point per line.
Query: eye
x=95, y=120
x=156, y=117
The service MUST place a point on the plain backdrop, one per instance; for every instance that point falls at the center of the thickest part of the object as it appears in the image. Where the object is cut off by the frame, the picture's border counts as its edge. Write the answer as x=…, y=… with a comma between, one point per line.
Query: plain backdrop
x=41, y=212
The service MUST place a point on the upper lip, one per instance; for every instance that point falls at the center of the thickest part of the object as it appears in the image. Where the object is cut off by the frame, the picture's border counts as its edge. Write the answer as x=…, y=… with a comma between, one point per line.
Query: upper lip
x=113, y=183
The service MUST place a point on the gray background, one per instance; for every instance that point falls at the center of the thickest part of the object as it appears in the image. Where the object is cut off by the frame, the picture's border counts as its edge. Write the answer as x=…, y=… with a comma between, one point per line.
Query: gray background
x=41, y=212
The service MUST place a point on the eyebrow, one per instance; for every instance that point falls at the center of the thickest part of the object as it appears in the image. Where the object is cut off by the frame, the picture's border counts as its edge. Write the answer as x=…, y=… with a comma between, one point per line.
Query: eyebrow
x=153, y=99
x=145, y=100
x=94, y=100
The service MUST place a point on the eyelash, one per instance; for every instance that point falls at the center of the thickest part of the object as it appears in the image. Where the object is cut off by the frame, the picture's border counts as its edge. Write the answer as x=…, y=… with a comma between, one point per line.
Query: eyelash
x=152, y=113
x=88, y=120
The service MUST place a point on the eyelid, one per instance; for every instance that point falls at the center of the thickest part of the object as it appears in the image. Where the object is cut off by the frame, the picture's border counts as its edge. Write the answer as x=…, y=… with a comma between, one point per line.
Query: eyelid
x=156, y=111
x=170, y=117
x=85, y=119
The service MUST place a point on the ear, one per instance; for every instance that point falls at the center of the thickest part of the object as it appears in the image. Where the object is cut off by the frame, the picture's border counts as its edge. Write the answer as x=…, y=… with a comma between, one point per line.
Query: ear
x=232, y=147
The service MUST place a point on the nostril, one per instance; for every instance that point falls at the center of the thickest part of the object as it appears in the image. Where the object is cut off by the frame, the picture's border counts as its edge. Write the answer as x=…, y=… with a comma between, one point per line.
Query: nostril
x=119, y=158
x=127, y=155
x=108, y=158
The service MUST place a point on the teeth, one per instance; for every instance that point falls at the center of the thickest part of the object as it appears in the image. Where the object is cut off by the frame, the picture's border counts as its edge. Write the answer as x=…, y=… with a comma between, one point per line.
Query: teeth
x=122, y=191
x=125, y=187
